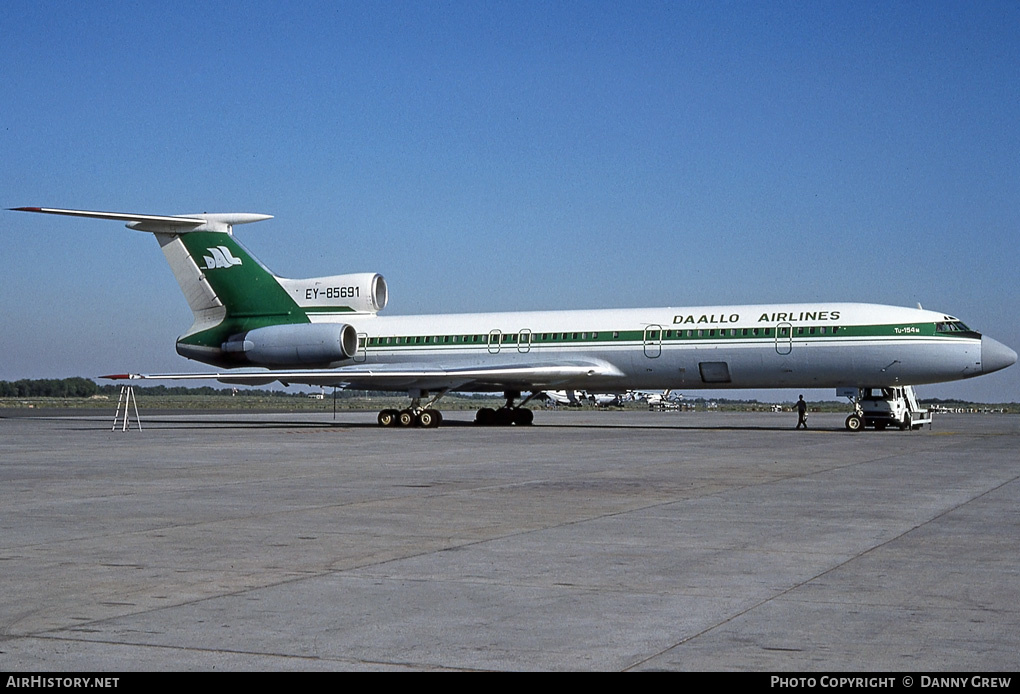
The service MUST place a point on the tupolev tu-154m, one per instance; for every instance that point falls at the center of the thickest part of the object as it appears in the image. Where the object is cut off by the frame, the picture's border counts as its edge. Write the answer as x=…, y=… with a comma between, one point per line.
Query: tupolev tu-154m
x=327, y=331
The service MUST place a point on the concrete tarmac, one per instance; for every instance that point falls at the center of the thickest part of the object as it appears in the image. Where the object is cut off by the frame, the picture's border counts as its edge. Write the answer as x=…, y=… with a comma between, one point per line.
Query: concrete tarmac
x=590, y=541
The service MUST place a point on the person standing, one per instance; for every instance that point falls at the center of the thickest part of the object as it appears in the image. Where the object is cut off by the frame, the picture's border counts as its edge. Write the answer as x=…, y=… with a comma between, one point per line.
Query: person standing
x=801, y=413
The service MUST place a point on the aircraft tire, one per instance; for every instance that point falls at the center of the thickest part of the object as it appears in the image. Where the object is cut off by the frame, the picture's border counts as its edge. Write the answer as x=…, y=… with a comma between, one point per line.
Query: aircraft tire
x=485, y=417
x=523, y=417
x=406, y=418
x=854, y=422
x=429, y=419
x=504, y=417
x=388, y=418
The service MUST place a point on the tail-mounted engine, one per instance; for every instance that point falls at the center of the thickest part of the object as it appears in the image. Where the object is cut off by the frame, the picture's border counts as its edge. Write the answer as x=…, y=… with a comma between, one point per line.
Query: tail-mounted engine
x=363, y=292
x=300, y=345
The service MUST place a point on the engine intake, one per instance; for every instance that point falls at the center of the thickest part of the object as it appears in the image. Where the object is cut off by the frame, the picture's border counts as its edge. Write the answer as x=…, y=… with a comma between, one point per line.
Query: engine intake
x=364, y=292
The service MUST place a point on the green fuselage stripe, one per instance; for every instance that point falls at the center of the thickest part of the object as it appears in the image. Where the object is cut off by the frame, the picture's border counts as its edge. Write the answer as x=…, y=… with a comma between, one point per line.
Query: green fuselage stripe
x=667, y=336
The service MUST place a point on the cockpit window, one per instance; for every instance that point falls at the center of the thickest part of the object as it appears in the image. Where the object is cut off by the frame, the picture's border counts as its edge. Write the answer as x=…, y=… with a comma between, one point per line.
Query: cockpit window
x=951, y=327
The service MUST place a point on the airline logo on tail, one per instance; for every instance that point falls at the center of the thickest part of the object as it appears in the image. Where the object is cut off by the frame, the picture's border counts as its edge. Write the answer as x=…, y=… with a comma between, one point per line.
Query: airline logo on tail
x=219, y=256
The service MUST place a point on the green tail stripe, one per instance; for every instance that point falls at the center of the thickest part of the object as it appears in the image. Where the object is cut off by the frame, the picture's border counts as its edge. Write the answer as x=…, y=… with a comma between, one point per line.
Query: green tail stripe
x=244, y=286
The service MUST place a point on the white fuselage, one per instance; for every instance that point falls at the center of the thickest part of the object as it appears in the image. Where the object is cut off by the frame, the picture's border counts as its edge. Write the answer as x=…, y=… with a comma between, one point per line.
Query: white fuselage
x=245, y=315
x=763, y=346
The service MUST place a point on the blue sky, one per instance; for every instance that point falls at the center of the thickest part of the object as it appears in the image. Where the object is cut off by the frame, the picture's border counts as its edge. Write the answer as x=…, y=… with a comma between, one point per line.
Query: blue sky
x=511, y=156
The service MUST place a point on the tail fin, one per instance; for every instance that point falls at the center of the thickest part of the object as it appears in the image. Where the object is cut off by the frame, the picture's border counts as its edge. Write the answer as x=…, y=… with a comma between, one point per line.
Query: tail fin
x=229, y=291
x=196, y=244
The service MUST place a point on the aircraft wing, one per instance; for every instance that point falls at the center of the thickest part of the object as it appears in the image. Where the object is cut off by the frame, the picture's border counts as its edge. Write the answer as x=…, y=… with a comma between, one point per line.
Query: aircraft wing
x=401, y=377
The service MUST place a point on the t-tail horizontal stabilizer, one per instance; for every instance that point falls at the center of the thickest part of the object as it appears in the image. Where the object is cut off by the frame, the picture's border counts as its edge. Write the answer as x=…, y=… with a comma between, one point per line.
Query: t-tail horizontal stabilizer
x=165, y=224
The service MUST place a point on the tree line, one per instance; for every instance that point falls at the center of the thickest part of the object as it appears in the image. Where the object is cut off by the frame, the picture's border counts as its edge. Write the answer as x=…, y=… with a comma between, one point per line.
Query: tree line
x=49, y=388
x=78, y=387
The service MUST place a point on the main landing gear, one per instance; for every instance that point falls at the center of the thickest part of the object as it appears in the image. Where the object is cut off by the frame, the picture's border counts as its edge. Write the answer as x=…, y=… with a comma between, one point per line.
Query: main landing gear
x=418, y=415
x=508, y=414
x=411, y=417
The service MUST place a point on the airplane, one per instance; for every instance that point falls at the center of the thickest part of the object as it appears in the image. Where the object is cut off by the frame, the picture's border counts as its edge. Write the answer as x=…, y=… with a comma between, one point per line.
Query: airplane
x=327, y=331
x=667, y=399
x=562, y=397
x=573, y=399
x=608, y=399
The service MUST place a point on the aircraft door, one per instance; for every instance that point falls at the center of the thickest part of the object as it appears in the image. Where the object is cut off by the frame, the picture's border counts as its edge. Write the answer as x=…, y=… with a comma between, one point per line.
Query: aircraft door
x=495, y=337
x=362, y=354
x=524, y=341
x=784, y=338
x=653, y=341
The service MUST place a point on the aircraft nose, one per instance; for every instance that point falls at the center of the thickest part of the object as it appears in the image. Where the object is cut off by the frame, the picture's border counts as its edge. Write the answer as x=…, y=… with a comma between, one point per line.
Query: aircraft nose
x=995, y=355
